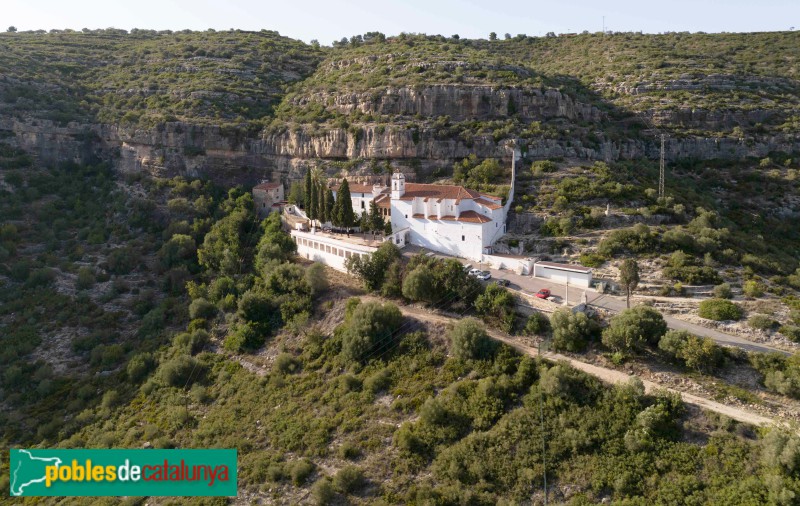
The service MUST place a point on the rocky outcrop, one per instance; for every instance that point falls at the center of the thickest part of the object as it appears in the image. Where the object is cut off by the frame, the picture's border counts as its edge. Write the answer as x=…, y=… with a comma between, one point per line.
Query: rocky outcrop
x=53, y=143
x=460, y=103
x=232, y=156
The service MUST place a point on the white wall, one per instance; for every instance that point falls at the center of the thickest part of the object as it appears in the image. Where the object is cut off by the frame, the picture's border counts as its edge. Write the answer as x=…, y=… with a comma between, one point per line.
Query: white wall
x=519, y=265
x=441, y=236
x=327, y=250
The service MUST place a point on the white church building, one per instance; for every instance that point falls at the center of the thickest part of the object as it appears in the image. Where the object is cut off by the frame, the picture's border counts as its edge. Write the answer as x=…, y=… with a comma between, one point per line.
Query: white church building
x=449, y=219
x=446, y=218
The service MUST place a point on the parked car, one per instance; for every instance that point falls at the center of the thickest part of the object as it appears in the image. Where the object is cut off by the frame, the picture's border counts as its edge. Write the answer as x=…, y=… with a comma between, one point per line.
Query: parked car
x=543, y=293
x=501, y=282
x=474, y=272
x=484, y=275
x=467, y=267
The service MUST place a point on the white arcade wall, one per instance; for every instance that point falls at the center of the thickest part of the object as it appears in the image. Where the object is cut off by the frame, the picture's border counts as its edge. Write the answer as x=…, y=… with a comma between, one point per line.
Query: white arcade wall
x=327, y=250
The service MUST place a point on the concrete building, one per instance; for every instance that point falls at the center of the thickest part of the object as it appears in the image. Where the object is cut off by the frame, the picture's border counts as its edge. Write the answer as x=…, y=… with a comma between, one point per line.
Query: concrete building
x=576, y=275
x=268, y=197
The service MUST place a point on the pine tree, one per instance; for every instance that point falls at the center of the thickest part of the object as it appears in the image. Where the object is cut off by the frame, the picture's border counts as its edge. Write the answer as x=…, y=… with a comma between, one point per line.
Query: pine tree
x=629, y=277
x=345, y=215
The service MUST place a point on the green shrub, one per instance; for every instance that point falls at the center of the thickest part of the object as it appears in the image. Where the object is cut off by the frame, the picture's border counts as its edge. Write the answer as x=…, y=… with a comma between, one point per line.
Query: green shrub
x=418, y=285
x=323, y=491
x=719, y=310
x=469, y=340
x=378, y=381
x=220, y=288
x=761, y=322
x=497, y=306
x=592, y=259
x=349, y=451
x=201, y=308
x=192, y=342
x=571, y=331
x=85, y=278
x=634, y=328
x=110, y=399
x=536, y=324
x=349, y=479
x=300, y=471
x=39, y=277
x=752, y=288
x=285, y=363
x=245, y=337
x=699, y=353
x=723, y=291
x=256, y=307
x=180, y=371
x=791, y=332
x=370, y=330
x=316, y=278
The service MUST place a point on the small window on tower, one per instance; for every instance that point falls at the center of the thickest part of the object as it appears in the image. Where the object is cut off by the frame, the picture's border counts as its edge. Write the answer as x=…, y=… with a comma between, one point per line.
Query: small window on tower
x=462, y=238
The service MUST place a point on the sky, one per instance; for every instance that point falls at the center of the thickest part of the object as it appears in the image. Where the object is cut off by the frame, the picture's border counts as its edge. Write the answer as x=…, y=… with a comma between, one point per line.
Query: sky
x=329, y=20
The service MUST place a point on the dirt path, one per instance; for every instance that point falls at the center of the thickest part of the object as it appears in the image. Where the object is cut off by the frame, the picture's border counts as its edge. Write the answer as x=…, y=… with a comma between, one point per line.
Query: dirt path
x=607, y=375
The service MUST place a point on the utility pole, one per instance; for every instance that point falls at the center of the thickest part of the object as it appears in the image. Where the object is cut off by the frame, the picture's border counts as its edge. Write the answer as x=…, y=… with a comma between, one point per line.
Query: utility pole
x=661, y=170
x=604, y=25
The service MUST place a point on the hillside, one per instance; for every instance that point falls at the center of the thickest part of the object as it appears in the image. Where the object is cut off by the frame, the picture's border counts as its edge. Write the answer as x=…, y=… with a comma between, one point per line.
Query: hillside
x=213, y=102
x=143, y=304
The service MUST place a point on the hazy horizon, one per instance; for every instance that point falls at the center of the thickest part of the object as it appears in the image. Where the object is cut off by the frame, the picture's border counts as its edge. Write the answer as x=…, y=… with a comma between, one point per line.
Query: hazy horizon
x=326, y=21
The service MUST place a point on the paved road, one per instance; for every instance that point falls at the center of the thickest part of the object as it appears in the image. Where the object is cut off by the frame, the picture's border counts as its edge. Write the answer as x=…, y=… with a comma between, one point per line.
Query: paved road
x=531, y=285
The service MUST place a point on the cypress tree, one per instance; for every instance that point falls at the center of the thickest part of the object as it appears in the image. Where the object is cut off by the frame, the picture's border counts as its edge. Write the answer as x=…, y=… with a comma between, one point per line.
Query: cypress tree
x=375, y=218
x=329, y=203
x=312, y=201
x=336, y=211
x=346, y=215
x=321, y=202
x=307, y=196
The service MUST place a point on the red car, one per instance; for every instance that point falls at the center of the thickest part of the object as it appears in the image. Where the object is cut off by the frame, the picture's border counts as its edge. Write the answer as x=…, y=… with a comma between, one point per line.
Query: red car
x=543, y=293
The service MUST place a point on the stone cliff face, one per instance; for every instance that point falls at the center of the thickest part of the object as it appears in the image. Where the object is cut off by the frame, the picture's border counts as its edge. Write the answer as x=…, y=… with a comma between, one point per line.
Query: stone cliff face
x=233, y=156
x=461, y=102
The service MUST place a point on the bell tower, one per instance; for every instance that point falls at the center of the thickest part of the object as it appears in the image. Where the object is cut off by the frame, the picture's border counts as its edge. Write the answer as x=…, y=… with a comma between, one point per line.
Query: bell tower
x=398, y=185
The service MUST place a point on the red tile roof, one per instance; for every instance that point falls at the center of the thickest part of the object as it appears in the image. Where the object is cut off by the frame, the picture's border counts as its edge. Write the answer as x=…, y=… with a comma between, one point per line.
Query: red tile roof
x=468, y=217
x=473, y=217
x=267, y=186
x=488, y=203
x=439, y=191
x=383, y=201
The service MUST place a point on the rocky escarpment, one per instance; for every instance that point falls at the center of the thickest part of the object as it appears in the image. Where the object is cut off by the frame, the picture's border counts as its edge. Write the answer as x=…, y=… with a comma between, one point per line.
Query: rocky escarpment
x=460, y=103
x=231, y=155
